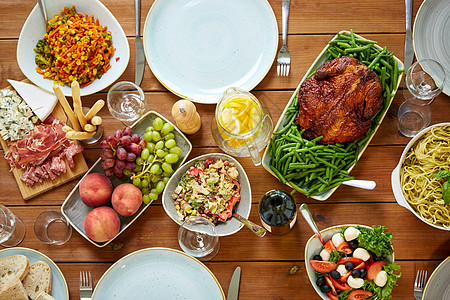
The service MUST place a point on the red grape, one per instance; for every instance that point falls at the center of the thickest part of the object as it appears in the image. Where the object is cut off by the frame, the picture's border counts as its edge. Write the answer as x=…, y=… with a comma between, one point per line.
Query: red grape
x=108, y=163
x=120, y=164
x=142, y=143
x=107, y=153
x=125, y=140
x=104, y=144
x=121, y=153
x=135, y=138
x=109, y=172
x=130, y=165
x=117, y=133
x=127, y=131
x=118, y=172
x=130, y=157
x=134, y=148
x=111, y=140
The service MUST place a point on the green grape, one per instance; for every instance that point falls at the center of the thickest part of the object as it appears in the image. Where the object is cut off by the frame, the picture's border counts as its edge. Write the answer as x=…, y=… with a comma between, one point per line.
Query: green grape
x=145, y=153
x=168, y=127
x=146, y=199
x=167, y=167
x=160, y=186
x=150, y=158
x=139, y=161
x=154, y=179
x=170, y=143
x=160, y=171
x=158, y=124
x=153, y=196
x=171, y=158
x=160, y=153
x=156, y=136
x=148, y=129
x=159, y=145
x=145, y=190
x=150, y=146
x=138, y=168
x=154, y=168
x=167, y=174
x=127, y=172
x=176, y=150
x=144, y=183
x=169, y=136
x=147, y=136
x=137, y=181
x=153, y=190
x=166, y=179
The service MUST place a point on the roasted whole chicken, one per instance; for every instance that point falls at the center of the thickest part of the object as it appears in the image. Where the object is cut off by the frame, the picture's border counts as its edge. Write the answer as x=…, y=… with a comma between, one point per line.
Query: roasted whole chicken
x=339, y=101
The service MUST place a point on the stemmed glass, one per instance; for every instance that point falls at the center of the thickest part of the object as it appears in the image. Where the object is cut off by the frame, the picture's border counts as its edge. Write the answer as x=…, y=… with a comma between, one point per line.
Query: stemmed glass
x=197, y=237
x=126, y=101
x=424, y=80
x=12, y=229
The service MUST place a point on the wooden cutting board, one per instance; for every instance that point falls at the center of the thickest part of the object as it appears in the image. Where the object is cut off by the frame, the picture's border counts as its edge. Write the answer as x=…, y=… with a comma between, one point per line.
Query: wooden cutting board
x=38, y=188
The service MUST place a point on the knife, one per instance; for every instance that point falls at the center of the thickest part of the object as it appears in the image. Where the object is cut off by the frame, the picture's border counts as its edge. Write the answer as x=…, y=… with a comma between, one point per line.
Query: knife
x=140, y=56
x=233, y=289
x=409, y=52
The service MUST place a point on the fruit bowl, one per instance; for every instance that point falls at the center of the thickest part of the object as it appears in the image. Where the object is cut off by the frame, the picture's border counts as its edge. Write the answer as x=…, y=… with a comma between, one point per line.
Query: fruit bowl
x=75, y=210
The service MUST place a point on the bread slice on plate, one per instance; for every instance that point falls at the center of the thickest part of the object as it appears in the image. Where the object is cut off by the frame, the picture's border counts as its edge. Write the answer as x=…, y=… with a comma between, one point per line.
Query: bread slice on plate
x=13, y=290
x=44, y=296
x=14, y=266
x=39, y=279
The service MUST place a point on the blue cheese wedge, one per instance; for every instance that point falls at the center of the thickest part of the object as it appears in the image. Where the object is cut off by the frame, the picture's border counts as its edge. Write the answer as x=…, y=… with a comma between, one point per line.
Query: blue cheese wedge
x=41, y=102
x=16, y=117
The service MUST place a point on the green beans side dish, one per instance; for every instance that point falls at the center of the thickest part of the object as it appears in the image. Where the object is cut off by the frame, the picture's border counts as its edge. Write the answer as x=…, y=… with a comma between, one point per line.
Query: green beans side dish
x=310, y=167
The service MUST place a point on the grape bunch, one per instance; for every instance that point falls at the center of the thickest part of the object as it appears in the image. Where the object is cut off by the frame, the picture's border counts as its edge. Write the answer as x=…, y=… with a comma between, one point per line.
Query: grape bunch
x=154, y=165
x=120, y=151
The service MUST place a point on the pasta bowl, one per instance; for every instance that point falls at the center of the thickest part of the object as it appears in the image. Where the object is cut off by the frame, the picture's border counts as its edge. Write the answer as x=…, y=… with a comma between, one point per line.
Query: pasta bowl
x=396, y=181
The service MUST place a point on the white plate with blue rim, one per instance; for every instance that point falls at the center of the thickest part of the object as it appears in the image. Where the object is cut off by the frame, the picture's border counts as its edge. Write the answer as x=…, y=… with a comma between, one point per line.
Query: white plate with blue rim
x=199, y=48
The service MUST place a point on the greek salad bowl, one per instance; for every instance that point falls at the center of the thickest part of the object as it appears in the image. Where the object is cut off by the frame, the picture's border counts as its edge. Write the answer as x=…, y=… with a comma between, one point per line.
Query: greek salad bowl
x=242, y=207
x=360, y=266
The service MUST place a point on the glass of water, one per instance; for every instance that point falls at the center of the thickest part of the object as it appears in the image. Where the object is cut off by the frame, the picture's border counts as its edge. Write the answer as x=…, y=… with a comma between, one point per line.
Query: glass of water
x=126, y=101
x=425, y=79
x=12, y=229
x=197, y=237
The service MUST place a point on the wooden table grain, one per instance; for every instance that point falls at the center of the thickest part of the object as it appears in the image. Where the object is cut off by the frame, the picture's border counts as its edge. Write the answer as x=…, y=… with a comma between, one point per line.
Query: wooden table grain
x=266, y=262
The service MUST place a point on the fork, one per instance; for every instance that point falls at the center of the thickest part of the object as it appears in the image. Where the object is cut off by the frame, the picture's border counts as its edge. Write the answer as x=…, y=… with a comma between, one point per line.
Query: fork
x=85, y=285
x=284, y=57
x=419, y=284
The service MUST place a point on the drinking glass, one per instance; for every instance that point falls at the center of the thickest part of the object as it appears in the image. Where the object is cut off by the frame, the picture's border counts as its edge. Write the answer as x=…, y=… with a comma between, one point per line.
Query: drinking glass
x=413, y=116
x=51, y=227
x=126, y=101
x=425, y=79
x=98, y=131
x=12, y=229
x=197, y=237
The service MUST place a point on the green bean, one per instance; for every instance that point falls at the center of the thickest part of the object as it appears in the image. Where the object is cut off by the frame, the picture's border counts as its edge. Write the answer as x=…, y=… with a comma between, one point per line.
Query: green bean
x=297, y=188
x=357, y=49
x=280, y=177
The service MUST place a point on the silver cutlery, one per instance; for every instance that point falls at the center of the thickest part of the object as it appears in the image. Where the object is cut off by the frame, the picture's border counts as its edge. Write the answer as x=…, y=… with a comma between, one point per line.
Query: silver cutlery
x=304, y=210
x=284, y=57
x=256, y=229
x=85, y=285
x=139, y=47
x=419, y=283
x=43, y=10
x=409, y=52
x=233, y=289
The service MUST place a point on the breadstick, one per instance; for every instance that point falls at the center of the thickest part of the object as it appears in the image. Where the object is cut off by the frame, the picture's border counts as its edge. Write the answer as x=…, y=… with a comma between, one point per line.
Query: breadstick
x=89, y=127
x=67, y=128
x=95, y=109
x=66, y=106
x=77, y=105
x=79, y=135
x=96, y=120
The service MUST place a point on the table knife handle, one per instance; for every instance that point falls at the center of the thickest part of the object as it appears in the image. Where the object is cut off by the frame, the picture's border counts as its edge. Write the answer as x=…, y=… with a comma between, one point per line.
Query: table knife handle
x=137, y=12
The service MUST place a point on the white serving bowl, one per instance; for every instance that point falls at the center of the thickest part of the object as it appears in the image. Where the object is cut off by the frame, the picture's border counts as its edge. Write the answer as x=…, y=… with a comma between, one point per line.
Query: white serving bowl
x=396, y=182
x=34, y=29
x=314, y=246
x=242, y=207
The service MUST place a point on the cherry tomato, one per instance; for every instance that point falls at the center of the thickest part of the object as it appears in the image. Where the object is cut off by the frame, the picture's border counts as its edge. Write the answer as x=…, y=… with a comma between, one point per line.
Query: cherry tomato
x=374, y=269
x=330, y=246
x=354, y=260
x=342, y=286
x=333, y=290
x=323, y=266
x=344, y=247
x=359, y=294
x=331, y=296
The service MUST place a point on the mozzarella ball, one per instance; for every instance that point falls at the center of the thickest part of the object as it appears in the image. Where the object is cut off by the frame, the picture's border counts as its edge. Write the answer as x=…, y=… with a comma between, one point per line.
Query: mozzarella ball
x=342, y=270
x=381, y=279
x=351, y=233
x=355, y=283
x=325, y=254
x=361, y=253
x=337, y=239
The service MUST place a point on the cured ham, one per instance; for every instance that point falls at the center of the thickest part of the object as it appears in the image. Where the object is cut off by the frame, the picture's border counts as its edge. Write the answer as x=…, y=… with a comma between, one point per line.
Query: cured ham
x=41, y=152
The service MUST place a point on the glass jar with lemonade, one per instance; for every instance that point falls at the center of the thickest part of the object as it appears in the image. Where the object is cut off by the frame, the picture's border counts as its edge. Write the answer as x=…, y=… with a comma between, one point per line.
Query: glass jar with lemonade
x=242, y=126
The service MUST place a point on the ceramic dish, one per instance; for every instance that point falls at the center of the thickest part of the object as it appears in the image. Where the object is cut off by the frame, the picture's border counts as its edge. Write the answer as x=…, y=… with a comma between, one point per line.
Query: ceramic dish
x=281, y=122
x=395, y=178
x=158, y=273
x=34, y=28
x=75, y=210
x=314, y=246
x=242, y=208
x=199, y=48
x=430, y=35
x=437, y=286
x=59, y=288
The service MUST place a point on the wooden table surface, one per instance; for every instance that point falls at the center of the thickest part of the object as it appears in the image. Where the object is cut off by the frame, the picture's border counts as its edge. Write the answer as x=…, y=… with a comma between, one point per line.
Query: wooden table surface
x=266, y=262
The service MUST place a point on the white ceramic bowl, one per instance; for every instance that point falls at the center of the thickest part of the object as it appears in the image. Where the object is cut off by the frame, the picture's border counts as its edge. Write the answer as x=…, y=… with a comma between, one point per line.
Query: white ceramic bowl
x=33, y=30
x=314, y=246
x=242, y=207
x=396, y=182
x=437, y=286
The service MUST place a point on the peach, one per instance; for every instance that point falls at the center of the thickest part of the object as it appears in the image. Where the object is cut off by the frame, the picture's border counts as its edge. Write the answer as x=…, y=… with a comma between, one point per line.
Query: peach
x=102, y=224
x=126, y=199
x=95, y=189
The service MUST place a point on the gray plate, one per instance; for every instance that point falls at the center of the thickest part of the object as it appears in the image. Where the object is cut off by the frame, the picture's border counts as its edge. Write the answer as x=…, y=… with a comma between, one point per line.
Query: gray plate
x=437, y=287
x=75, y=210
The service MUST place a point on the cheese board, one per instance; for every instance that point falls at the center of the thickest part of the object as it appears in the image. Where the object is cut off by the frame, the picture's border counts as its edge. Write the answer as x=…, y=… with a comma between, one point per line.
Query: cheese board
x=29, y=192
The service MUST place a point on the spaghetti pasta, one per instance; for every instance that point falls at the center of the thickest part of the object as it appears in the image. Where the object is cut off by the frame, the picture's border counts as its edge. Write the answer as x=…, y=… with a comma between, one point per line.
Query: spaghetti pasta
x=430, y=154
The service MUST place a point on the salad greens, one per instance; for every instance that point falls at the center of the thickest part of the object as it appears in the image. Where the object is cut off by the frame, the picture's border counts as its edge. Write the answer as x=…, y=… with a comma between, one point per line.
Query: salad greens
x=376, y=240
x=385, y=291
x=336, y=255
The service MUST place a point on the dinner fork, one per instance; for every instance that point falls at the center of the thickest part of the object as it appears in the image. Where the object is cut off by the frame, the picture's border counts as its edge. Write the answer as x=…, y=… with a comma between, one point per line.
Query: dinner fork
x=284, y=57
x=419, y=284
x=85, y=285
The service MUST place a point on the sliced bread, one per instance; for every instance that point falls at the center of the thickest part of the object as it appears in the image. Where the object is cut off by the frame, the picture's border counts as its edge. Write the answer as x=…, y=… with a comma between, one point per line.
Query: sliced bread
x=14, y=266
x=44, y=296
x=39, y=279
x=13, y=290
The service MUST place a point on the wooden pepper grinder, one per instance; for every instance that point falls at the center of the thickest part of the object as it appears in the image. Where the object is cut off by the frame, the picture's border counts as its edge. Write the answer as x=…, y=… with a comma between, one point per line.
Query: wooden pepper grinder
x=185, y=114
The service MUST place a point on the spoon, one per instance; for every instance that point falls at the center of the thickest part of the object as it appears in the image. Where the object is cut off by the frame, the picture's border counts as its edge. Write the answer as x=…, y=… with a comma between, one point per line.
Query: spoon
x=309, y=219
x=43, y=11
x=362, y=184
x=256, y=229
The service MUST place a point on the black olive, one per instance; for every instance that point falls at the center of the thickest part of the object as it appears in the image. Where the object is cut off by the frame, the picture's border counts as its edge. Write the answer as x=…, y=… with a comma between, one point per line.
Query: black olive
x=349, y=266
x=317, y=257
x=376, y=258
x=363, y=273
x=335, y=274
x=325, y=288
x=356, y=273
x=320, y=281
x=353, y=244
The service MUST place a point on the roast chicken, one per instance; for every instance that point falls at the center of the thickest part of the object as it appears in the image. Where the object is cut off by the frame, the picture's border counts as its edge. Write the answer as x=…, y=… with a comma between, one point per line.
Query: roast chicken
x=339, y=101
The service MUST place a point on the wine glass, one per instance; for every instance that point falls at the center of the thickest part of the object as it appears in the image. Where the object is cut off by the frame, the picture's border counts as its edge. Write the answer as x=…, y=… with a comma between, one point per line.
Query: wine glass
x=12, y=229
x=425, y=79
x=197, y=237
x=126, y=101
